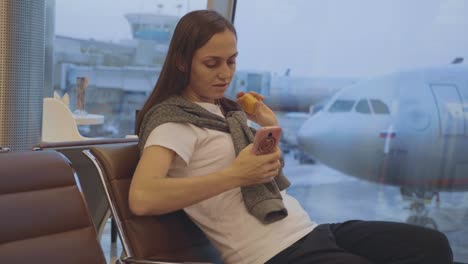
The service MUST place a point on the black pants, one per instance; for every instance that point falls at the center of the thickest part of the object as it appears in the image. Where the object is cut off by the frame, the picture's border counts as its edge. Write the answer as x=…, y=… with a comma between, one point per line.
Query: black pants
x=366, y=242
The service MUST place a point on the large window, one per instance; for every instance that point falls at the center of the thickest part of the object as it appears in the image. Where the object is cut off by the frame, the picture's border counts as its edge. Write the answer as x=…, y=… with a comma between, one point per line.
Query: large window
x=405, y=162
x=119, y=47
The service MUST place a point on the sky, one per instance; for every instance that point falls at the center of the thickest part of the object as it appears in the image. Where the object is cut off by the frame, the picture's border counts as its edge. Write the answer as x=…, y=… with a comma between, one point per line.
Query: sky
x=104, y=19
x=332, y=38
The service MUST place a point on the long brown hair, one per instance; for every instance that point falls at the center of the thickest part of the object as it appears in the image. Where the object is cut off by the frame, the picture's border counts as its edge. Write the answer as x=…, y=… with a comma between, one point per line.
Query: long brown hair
x=192, y=32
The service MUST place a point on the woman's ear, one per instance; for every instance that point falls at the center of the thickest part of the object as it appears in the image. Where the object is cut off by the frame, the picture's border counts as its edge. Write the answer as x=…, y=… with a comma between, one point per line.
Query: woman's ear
x=181, y=66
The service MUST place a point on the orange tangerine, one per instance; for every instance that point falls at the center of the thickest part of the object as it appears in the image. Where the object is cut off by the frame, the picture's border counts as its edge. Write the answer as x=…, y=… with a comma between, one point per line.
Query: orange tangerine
x=248, y=101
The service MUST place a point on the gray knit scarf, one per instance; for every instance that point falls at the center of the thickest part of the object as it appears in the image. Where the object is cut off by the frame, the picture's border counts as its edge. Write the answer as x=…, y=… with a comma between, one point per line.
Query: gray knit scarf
x=263, y=201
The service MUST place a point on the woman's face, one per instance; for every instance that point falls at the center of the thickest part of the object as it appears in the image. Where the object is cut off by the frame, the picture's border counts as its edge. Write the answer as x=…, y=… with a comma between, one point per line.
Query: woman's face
x=213, y=66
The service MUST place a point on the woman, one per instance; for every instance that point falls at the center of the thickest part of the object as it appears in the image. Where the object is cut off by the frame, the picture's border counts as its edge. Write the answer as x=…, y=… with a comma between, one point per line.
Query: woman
x=192, y=159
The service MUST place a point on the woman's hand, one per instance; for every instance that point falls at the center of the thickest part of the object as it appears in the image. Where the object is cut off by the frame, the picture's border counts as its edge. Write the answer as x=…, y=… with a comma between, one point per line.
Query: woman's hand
x=250, y=169
x=263, y=116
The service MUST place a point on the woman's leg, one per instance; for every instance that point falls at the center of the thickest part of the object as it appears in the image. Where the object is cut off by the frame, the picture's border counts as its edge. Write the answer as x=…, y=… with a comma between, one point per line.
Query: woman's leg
x=393, y=243
x=318, y=247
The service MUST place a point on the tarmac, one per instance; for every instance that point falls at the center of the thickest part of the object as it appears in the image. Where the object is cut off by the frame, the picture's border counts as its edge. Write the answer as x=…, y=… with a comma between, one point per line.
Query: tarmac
x=331, y=196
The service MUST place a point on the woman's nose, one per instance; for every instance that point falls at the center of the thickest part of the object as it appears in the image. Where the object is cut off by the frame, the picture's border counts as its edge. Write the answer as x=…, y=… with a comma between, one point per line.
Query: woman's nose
x=223, y=75
x=225, y=72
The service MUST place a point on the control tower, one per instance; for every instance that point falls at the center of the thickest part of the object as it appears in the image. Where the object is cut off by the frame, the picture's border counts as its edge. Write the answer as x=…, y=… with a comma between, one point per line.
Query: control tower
x=155, y=27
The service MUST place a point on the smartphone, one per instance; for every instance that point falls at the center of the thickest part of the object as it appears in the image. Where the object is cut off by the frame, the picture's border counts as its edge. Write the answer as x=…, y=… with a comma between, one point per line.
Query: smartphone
x=266, y=140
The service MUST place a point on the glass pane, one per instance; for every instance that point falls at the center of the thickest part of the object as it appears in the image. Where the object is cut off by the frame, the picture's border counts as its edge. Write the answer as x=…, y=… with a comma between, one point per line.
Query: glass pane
x=407, y=162
x=118, y=47
x=363, y=107
x=341, y=106
x=379, y=107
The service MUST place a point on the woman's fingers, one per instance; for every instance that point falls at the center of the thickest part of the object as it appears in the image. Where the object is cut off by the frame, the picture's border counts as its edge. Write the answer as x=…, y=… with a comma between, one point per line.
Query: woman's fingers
x=268, y=179
x=239, y=94
x=272, y=167
x=257, y=95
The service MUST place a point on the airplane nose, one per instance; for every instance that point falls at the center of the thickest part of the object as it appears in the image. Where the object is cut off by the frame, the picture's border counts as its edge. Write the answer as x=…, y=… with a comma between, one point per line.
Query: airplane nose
x=310, y=137
x=338, y=143
x=321, y=138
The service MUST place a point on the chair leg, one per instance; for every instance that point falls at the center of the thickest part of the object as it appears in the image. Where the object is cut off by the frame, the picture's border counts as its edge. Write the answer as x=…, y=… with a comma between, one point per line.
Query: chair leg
x=113, y=231
x=104, y=221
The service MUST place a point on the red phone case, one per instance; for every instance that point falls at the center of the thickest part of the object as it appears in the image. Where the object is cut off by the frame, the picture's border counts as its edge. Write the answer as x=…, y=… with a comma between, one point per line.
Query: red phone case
x=266, y=140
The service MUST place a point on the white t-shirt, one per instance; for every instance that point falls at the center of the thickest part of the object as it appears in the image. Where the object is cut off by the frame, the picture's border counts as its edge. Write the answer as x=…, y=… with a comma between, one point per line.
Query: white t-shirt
x=238, y=236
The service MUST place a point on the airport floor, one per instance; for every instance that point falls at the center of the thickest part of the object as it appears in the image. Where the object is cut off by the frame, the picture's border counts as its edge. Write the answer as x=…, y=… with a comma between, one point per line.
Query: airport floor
x=111, y=250
x=330, y=196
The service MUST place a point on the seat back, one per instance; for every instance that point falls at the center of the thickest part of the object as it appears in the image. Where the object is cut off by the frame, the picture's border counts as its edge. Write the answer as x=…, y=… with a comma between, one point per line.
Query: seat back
x=44, y=216
x=170, y=237
x=88, y=176
x=58, y=123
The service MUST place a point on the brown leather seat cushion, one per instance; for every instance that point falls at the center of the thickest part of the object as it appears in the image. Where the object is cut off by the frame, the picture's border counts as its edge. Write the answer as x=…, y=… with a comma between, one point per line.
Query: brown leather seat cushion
x=88, y=176
x=44, y=217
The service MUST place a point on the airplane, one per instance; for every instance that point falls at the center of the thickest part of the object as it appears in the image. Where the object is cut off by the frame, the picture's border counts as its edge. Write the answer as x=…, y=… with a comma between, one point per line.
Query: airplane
x=408, y=129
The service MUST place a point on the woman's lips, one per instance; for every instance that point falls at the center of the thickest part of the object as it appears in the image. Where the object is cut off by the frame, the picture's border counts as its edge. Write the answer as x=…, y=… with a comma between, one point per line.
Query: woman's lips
x=221, y=85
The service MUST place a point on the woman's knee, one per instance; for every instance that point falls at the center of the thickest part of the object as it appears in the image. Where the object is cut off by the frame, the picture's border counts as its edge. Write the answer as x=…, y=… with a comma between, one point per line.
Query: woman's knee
x=437, y=247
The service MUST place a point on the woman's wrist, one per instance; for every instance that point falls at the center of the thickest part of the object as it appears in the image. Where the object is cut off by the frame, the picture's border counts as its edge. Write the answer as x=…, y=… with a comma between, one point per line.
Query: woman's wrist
x=269, y=123
x=230, y=179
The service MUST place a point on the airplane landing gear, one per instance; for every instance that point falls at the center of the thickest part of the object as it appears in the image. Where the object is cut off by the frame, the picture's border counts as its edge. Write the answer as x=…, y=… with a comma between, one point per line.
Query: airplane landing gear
x=419, y=216
x=418, y=210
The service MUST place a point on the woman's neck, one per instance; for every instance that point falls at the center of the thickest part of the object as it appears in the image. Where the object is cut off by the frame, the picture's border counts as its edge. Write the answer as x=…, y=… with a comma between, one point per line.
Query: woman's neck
x=196, y=98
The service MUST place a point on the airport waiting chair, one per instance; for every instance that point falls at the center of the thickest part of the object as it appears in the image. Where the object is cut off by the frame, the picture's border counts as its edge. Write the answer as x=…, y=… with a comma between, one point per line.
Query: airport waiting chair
x=44, y=216
x=88, y=176
x=169, y=238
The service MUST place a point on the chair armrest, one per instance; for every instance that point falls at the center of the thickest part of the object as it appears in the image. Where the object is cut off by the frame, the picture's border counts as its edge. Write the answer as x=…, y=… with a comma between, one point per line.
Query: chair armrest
x=147, y=261
x=99, y=141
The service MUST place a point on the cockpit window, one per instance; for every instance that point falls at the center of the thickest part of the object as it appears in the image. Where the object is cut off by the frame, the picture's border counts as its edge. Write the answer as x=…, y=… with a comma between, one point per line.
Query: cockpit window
x=363, y=107
x=341, y=106
x=379, y=107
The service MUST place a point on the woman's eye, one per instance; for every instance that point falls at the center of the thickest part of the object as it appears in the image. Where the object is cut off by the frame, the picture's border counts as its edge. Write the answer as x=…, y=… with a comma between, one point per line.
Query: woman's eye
x=210, y=64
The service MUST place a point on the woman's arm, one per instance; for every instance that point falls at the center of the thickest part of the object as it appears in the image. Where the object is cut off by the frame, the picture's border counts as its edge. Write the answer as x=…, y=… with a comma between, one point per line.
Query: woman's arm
x=153, y=193
x=263, y=116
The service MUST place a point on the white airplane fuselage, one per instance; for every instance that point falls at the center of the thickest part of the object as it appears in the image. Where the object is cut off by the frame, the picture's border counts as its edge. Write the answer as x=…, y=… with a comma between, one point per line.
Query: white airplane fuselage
x=422, y=141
